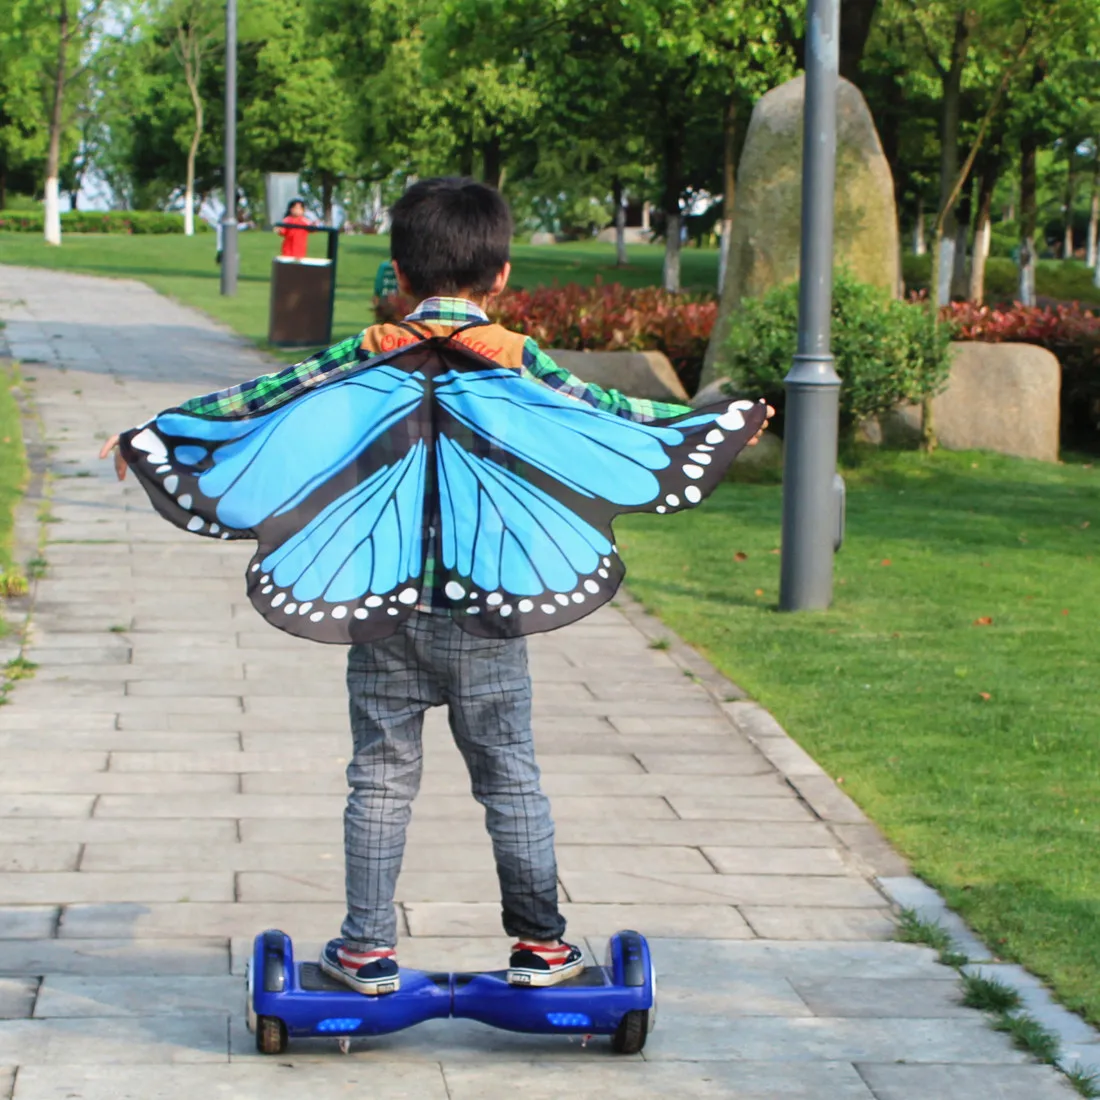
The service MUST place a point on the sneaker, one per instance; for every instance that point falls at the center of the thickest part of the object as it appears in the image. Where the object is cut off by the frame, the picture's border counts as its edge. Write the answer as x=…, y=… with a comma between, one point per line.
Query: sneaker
x=371, y=972
x=532, y=964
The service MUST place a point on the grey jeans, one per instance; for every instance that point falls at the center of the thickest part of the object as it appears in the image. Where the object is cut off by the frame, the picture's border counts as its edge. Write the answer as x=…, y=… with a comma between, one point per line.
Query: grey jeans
x=486, y=687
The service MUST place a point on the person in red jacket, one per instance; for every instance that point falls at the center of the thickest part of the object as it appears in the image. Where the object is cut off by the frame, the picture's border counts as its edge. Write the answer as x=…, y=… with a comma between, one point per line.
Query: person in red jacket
x=295, y=240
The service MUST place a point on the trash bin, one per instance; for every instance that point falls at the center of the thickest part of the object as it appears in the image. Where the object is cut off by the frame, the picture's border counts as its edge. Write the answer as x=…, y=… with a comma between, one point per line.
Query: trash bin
x=302, y=296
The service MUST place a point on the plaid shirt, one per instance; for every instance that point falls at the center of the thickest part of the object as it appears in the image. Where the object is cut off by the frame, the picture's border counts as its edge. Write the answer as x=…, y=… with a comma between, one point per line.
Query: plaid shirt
x=272, y=390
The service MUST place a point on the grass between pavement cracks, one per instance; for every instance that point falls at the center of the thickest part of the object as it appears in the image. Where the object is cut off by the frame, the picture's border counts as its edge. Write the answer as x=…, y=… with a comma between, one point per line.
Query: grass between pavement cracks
x=950, y=690
x=184, y=268
x=1000, y=1001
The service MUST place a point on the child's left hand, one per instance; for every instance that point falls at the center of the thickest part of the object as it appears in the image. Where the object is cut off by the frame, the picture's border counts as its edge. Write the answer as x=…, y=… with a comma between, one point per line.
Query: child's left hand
x=120, y=462
x=752, y=442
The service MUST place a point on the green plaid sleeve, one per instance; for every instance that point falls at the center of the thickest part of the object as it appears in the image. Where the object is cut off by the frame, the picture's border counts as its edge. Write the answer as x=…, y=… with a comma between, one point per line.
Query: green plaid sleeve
x=269, y=391
x=540, y=367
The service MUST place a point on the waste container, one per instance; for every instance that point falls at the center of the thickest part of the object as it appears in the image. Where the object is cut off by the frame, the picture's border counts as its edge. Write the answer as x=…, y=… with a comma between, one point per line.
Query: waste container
x=302, y=296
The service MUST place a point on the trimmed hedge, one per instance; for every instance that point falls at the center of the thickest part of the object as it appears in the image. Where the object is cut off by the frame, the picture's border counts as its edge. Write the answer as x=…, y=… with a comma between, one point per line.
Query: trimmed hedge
x=98, y=221
x=603, y=317
x=886, y=352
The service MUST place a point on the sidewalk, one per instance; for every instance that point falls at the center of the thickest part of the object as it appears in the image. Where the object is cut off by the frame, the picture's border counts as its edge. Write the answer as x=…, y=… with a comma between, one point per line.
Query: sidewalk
x=171, y=783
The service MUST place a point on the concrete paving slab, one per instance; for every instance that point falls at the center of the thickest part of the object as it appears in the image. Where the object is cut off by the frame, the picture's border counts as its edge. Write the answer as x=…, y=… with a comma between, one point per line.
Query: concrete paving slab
x=28, y=922
x=45, y=805
x=123, y=956
x=282, y=1081
x=63, y=888
x=776, y=861
x=965, y=1082
x=17, y=997
x=694, y=1080
x=7, y=1081
x=150, y=1040
x=70, y=995
x=38, y=857
x=820, y=923
x=97, y=830
x=926, y=998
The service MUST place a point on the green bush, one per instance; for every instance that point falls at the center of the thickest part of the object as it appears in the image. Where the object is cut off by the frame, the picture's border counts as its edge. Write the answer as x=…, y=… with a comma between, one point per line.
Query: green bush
x=887, y=352
x=99, y=221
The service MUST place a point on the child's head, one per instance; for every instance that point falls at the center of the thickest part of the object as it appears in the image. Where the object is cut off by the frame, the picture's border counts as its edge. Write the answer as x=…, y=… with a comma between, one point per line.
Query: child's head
x=451, y=236
x=295, y=209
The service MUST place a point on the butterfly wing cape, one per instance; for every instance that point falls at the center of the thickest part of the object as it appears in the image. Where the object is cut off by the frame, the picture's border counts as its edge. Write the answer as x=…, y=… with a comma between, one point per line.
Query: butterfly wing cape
x=430, y=475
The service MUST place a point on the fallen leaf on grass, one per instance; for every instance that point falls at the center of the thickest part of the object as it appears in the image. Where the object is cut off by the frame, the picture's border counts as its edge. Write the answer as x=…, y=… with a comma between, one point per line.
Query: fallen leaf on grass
x=887, y=561
x=775, y=551
x=740, y=556
x=1084, y=526
x=984, y=696
x=760, y=591
x=985, y=620
x=1065, y=610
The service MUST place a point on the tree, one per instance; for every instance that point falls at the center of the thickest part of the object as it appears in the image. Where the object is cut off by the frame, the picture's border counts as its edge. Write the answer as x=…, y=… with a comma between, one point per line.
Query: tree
x=73, y=29
x=194, y=26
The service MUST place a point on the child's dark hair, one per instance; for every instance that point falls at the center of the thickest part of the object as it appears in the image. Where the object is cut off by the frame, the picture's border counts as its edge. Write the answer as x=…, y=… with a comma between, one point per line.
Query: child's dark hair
x=450, y=234
x=293, y=203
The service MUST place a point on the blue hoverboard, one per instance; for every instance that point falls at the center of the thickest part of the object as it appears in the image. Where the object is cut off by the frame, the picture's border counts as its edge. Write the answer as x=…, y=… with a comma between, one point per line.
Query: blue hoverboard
x=298, y=1000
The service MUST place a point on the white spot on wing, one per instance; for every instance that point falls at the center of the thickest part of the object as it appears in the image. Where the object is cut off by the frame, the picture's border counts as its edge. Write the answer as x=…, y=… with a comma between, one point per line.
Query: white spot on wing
x=592, y=586
x=185, y=502
x=374, y=601
x=694, y=472
x=304, y=609
x=267, y=589
x=525, y=605
x=290, y=609
x=171, y=483
x=408, y=595
x=731, y=419
x=578, y=597
x=714, y=436
x=453, y=590
x=149, y=442
x=316, y=617
x=494, y=599
x=661, y=509
x=562, y=599
x=693, y=493
x=339, y=612
x=195, y=523
x=547, y=608
x=672, y=500
x=278, y=599
x=698, y=456
x=361, y=613
x=505, y=610
x=602, y=573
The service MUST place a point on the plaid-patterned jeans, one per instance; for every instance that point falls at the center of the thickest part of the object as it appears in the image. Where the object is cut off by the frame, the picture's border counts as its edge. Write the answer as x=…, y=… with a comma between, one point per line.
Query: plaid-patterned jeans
x=486, y=687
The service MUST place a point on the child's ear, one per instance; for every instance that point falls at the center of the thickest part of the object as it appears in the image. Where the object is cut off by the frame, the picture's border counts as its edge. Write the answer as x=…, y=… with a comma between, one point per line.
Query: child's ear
x=501, y=280
x=402, y=283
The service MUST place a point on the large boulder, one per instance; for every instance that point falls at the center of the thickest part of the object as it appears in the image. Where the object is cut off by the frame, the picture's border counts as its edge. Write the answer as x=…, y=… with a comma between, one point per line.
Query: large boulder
x=635, y=373
x=999, y=397
x=767, y=222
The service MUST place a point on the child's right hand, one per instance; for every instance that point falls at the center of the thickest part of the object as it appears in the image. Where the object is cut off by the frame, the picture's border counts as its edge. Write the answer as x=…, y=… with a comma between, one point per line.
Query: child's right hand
x=120, y=462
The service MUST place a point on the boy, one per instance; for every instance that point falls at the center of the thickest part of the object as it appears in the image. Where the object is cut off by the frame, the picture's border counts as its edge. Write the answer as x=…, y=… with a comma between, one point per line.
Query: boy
x=450, y=242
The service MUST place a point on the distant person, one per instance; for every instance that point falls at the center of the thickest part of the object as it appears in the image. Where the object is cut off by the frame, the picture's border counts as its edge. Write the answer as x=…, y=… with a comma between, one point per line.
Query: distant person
x=295, y=239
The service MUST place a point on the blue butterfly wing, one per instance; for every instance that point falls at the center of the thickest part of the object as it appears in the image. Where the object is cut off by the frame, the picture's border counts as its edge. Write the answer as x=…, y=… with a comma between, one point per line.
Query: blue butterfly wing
x=529, y=481
x=331, y=485
x=226, y=477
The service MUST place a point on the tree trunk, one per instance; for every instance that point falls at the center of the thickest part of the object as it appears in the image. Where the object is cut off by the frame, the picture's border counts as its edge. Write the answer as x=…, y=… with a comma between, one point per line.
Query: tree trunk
x=73, y=194
x=949, y=154
x=620, y=222
x=674, y=159
x=466, y=159
x=982, y=231
x=53, y=155
x=959, y=276
x=1094, y=213
x=729, y=187
x=192, y=77
x=490, y=161
x=3, y=187
x=920, y=245
x=1067, y=232
x=671, y=275
x=1028, y=215
x=855, y=27
x=327, y=187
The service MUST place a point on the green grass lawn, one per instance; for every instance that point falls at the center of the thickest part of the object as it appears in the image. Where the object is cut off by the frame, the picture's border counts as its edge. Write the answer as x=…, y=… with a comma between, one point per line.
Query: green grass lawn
x=975, y=747
x=184, y=268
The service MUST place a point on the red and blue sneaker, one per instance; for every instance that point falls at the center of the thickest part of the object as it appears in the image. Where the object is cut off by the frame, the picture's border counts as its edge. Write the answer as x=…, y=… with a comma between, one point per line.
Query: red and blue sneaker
x=372, y=972
x=534, y=964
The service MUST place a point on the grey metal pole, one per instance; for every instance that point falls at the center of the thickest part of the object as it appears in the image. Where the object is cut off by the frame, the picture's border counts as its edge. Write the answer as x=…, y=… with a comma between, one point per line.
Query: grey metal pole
x=229, y=218
x=810, y=497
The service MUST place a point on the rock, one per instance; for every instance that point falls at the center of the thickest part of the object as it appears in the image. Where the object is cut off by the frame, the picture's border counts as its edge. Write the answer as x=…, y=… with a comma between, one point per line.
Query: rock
x=999, y=397
x=635, y=373
x=764, y=247
x=543, y=238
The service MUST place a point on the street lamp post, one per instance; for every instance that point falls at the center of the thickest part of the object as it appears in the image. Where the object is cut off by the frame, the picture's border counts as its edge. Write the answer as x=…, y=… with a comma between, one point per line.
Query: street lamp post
x=812, y=493
x=229, y=218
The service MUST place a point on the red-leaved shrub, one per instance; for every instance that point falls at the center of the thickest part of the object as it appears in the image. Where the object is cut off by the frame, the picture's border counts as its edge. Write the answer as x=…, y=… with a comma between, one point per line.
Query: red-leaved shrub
x=1070, y=332
x=604, y=317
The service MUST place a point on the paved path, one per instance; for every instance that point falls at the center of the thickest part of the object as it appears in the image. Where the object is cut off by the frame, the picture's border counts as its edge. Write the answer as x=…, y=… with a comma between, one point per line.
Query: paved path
x=171, y=782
